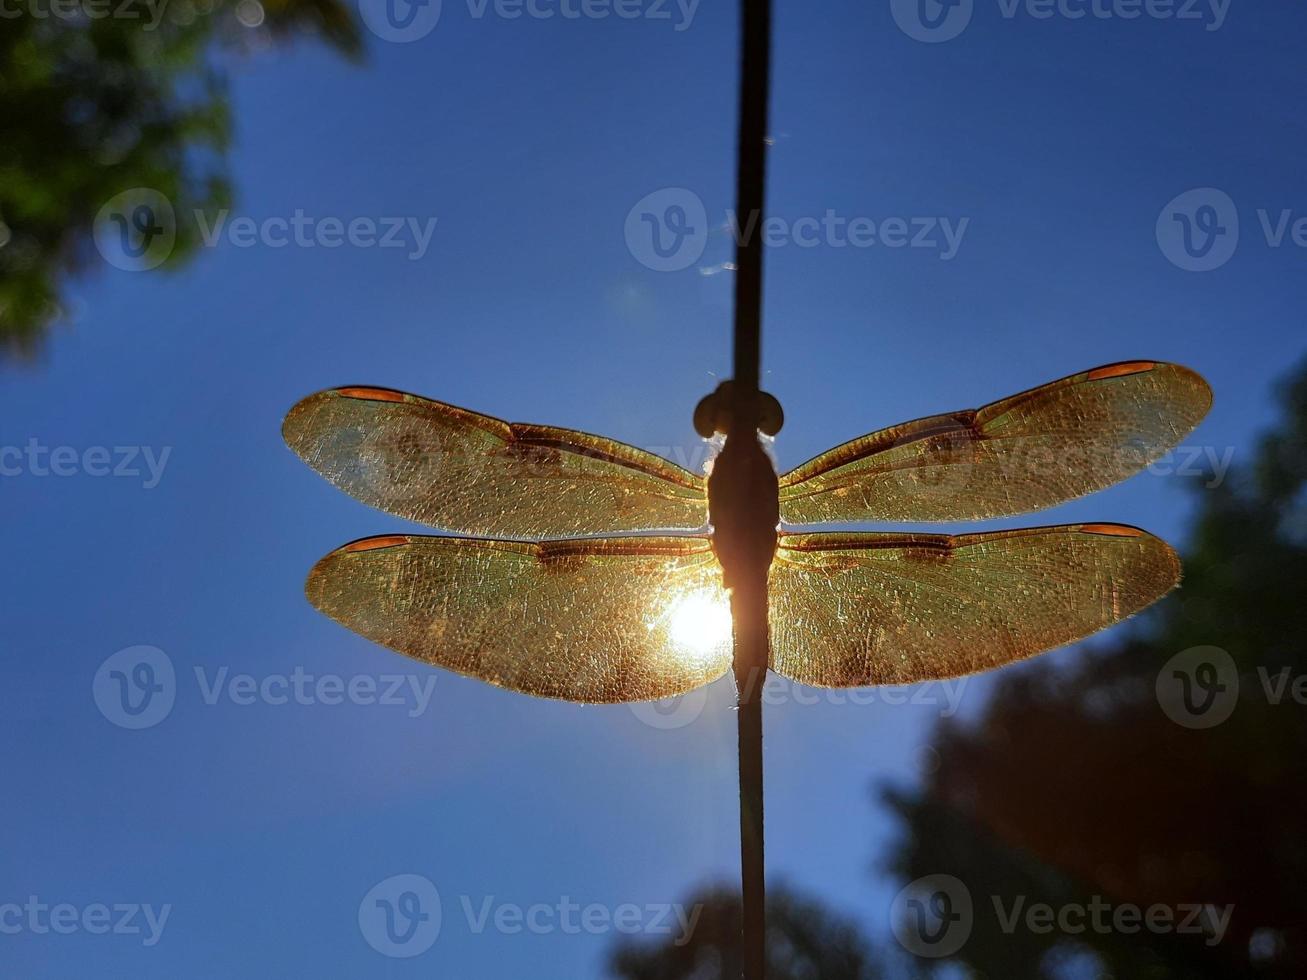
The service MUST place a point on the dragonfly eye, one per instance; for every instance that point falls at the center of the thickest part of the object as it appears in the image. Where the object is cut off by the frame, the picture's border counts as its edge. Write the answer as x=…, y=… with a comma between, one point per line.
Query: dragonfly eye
x=711, y=415
x=771, y=417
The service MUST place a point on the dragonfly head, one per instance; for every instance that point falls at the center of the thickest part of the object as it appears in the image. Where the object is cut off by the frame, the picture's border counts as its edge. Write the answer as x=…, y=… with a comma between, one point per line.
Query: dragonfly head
x=722, y=412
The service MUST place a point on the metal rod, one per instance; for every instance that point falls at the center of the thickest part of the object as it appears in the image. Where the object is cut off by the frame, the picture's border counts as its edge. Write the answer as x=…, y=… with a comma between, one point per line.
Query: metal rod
x=749, y=605
x=749, y=597
x=751, y=186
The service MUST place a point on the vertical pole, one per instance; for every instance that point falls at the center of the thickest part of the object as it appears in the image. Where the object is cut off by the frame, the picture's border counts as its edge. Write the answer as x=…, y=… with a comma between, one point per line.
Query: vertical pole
x=749, y=595
x=749, y=609
x=751, y=186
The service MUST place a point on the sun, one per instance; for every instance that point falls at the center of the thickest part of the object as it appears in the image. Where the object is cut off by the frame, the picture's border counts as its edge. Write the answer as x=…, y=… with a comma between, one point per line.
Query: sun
x=699, y=623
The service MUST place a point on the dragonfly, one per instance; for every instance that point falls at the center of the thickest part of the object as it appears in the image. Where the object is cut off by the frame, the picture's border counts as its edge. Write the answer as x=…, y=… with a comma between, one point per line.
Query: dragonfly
x=576, y=567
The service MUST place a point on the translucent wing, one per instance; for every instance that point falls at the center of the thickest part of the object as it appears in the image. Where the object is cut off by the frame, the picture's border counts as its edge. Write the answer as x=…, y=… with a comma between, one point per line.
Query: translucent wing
x=849, y=610
x=472, y=474
x=599, y=620
x=1024, y=453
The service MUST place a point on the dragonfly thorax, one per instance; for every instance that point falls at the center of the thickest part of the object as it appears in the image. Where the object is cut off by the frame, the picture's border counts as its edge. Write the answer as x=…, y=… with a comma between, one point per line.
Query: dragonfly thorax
x=744, y=510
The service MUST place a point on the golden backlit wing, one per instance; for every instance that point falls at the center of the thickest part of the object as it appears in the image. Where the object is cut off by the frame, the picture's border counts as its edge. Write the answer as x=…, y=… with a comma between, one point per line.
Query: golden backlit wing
x=849, y=610
x=597, y=620
x=1021, y=454
x=472, y=474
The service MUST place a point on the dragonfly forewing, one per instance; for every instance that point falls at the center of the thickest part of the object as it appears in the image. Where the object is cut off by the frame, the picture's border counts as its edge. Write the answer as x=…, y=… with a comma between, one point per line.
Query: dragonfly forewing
x=1025, y=453
x=471, y=474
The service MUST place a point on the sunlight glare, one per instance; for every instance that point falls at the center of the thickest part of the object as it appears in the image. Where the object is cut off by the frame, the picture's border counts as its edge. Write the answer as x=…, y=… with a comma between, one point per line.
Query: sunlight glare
x=699, y=623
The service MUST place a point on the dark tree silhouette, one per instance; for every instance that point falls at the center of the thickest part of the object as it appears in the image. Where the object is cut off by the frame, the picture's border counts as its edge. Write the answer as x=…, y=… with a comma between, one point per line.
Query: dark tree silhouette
x=108, y=98
x=1078, y=782
x=805, y=941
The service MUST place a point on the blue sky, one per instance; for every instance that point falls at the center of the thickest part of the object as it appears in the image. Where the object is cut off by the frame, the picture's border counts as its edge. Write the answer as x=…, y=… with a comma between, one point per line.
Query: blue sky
x=262, y=826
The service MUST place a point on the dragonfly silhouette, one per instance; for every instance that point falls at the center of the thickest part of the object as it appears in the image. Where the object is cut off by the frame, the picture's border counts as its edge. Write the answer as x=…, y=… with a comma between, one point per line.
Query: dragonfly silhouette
x=559, y=587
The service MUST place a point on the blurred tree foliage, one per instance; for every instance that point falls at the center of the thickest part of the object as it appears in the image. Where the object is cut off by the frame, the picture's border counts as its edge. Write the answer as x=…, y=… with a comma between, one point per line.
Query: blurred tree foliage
x=1076, y=783
x=102, y=96
x=805, y=941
